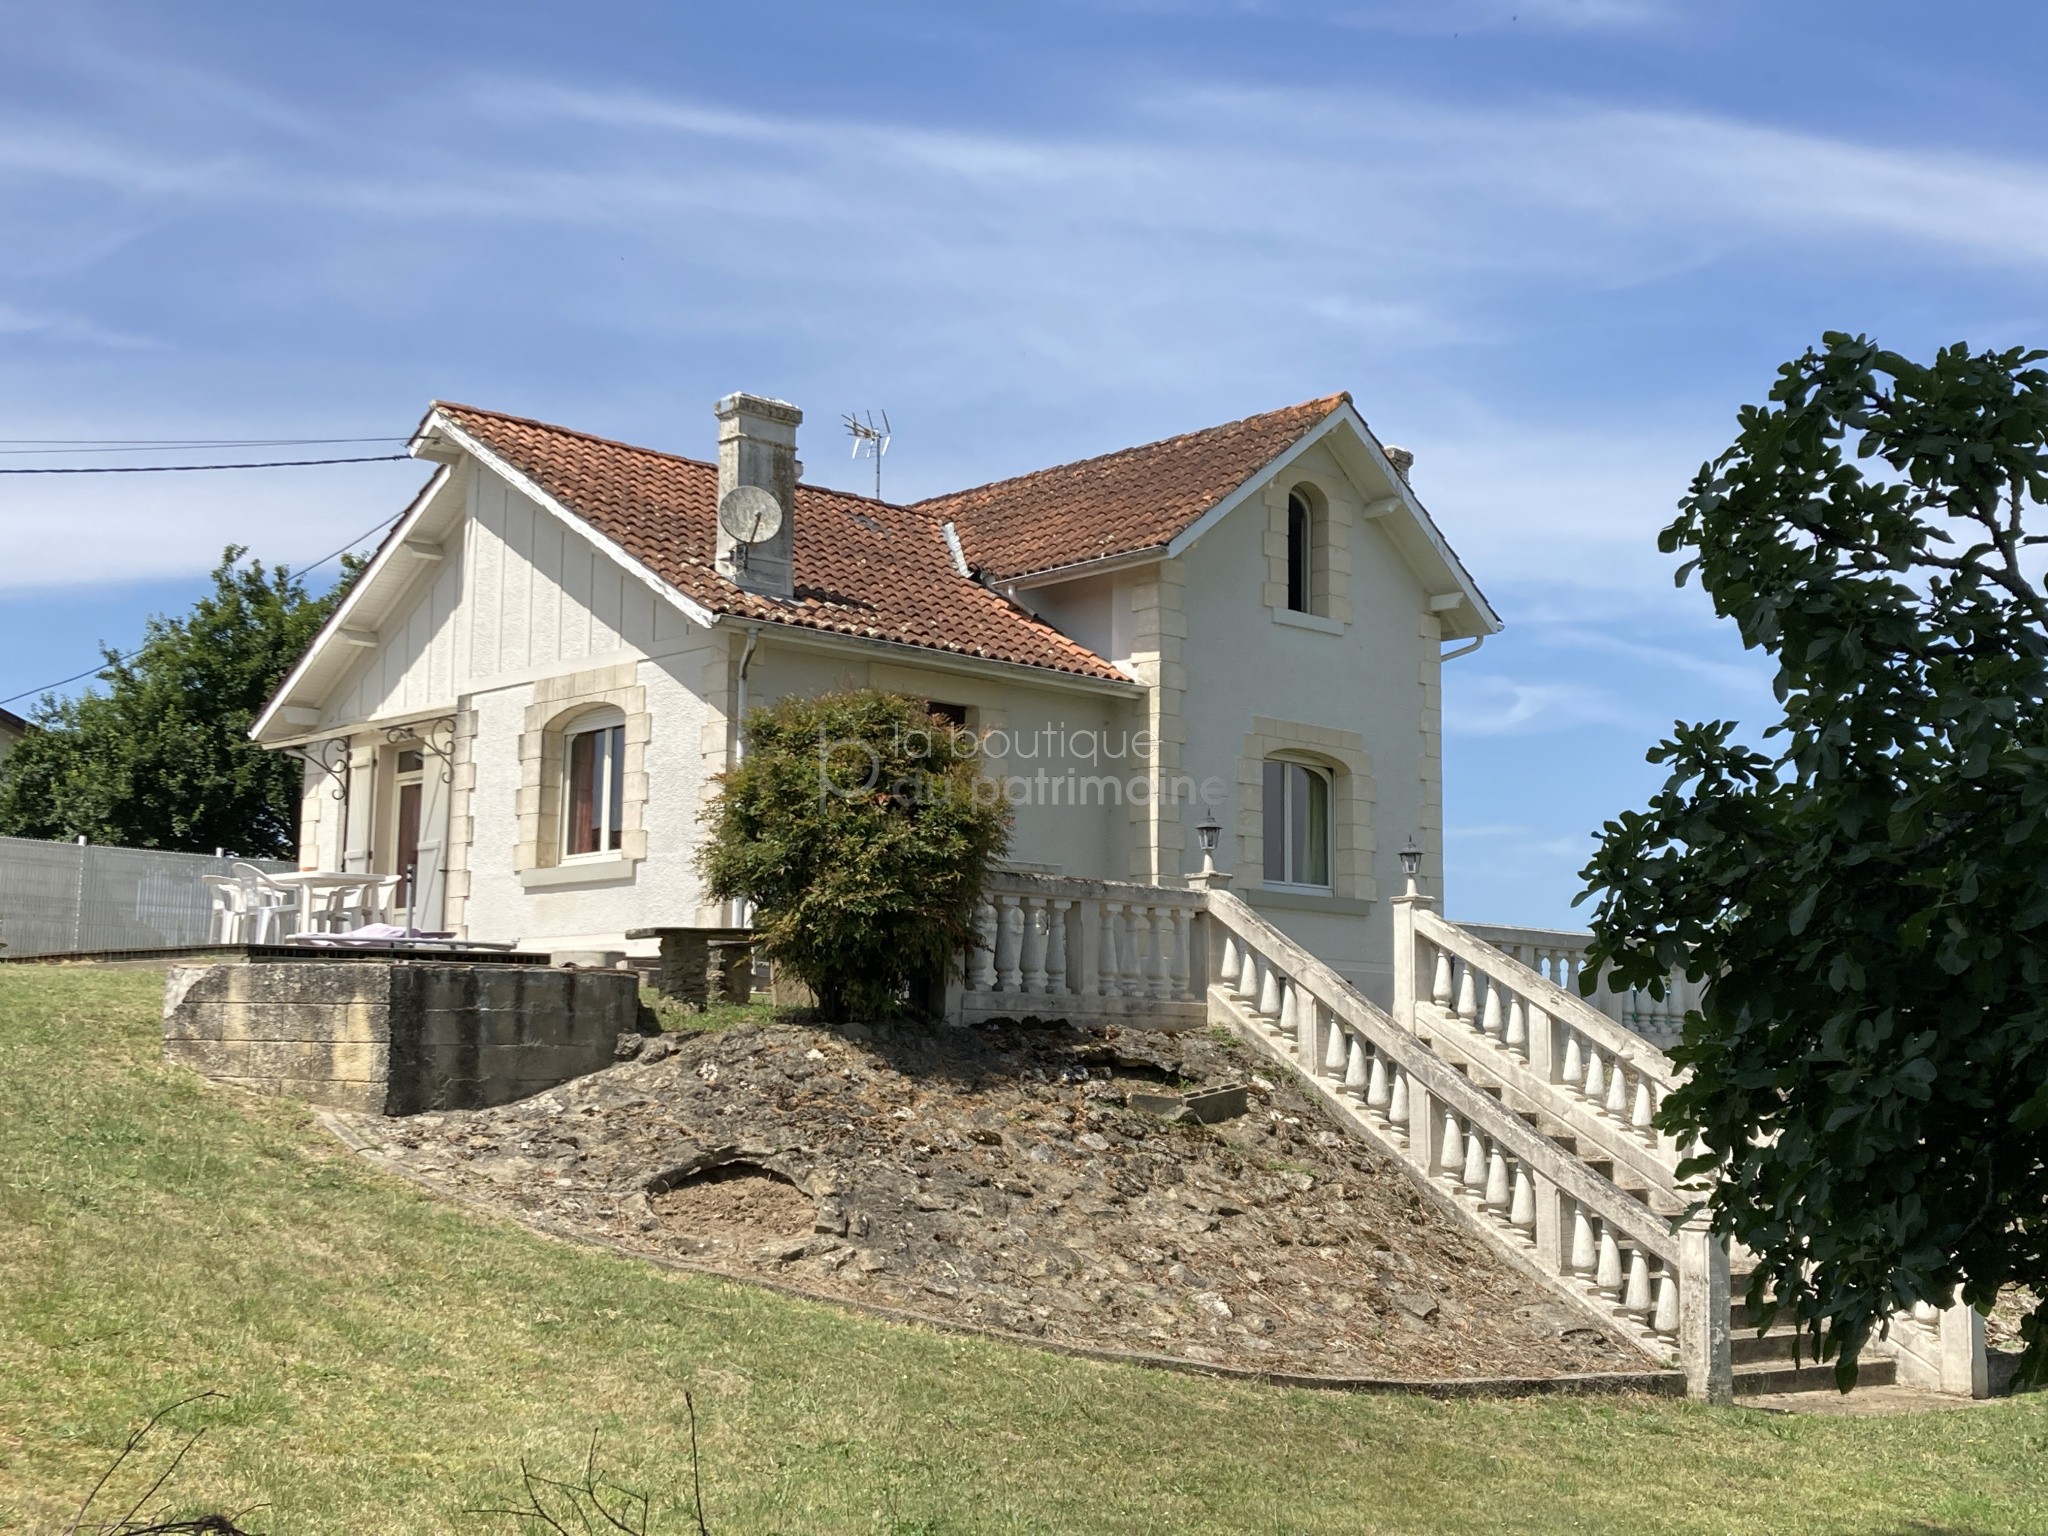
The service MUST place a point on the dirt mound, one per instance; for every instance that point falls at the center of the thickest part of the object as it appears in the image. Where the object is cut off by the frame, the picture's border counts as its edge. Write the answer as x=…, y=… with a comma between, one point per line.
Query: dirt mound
x=997, y=1176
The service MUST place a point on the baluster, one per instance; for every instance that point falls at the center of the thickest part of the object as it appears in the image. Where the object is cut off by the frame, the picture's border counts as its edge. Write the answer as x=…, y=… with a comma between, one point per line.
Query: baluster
x=1132, y=939
x=1585, y=1252
x=1290, y=1011
x=1594, y=1089
x=1617, y=1092
x=1056, y=949
x=1033, y=962
x=1334, y=1052
x=1573, y=1075
x=1643, y=1110
x=1144, y=964
x=1666, y=1320
x=1010, y=946
x=981, y=959
x=1636, y=1299
x=1607, y=1280
x=1522, y=1212
x=1233, y=961
x=1181, y=966
x=1397, y=1105
x=1159, y=961
x=1108, y=972
x=1491, y=1023
x=1379, y=1086
x=1515, y=1035
x=1467, y=1008
x=1451, y=1150
x=1269, y=989
x=1497, y=1181
x=1086, y=966
x=1473, y=1176
x=1359, y=1079
x=1440, y=983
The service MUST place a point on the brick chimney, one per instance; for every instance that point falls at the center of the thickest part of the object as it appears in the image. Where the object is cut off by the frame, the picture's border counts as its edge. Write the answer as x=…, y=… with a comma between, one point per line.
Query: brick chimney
x=757, y=447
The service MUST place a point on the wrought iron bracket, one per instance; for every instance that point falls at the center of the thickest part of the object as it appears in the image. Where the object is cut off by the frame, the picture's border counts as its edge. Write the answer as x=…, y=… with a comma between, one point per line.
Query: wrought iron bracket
x=331, y=758
x=435, y=737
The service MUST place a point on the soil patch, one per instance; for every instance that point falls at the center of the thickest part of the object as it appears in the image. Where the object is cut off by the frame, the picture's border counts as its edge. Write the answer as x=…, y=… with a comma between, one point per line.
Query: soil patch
x=996, y=1176
x=734, y=1208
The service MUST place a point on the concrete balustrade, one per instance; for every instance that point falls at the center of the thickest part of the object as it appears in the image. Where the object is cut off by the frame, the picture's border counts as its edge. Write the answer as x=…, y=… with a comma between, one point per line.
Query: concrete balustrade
x=1083, y=949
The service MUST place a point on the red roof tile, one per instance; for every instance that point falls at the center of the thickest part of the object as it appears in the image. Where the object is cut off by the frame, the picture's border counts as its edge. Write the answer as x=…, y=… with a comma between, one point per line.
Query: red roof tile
x=1120, y=503
x=862, y=567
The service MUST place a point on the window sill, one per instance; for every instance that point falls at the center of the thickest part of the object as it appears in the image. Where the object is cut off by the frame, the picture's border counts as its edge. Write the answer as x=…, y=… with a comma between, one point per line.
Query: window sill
x=1305, y=899
x=1314, y=621
x=604, y=871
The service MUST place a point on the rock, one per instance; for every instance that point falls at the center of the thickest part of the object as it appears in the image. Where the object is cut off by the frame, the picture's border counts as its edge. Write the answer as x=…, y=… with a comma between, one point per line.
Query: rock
x=628, y=1045
x=1418, y=1306
x=660, y=1048
x=1213, y=1304
x=781, y=1251
x=871, y=1263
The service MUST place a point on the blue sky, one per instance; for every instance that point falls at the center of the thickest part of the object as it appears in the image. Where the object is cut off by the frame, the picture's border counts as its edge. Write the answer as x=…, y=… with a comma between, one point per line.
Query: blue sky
x=1549, y=246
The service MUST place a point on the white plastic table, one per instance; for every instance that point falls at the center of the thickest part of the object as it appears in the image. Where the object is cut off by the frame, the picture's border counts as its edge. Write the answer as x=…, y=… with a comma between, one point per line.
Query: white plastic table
x=312, y=884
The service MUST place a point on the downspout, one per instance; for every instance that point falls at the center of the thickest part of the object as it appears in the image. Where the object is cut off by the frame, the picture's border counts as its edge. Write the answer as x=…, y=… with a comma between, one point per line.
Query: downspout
x=739, y=711
x=1463, y=650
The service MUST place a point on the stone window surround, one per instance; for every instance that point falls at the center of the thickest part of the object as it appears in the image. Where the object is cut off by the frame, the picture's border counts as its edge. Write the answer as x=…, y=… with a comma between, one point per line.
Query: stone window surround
x=1343, y=756
x=559, y=704
x=1333, y=513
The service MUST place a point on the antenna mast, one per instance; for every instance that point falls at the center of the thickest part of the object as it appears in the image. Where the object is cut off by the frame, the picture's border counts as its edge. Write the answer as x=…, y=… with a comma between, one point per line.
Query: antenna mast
x=870, y=439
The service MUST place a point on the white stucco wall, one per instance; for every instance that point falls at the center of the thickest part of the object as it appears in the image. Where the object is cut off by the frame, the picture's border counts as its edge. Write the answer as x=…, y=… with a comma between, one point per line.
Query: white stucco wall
x=1242, y=663
x=1042, y=736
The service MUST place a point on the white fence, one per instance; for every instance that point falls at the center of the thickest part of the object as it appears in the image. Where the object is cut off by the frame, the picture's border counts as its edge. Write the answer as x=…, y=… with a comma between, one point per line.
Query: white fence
x=57, y=898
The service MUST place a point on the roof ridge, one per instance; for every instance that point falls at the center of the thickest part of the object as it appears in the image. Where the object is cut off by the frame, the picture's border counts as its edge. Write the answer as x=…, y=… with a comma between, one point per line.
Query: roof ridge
x=1328, y=403
x=655, y=453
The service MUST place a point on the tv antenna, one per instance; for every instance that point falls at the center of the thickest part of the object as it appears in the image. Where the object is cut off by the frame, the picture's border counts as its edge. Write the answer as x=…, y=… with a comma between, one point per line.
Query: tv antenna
x=870, y=439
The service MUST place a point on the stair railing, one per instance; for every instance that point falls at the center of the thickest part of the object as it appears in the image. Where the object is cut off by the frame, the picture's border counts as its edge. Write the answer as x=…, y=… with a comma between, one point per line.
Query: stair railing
x=1586, y=1238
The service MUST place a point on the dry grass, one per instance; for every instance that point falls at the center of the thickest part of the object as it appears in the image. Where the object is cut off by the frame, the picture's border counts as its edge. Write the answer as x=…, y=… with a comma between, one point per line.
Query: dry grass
x=388, y=1361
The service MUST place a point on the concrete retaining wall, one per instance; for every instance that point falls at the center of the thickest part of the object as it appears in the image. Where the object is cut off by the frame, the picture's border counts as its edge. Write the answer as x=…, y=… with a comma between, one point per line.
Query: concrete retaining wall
x=396, y=1037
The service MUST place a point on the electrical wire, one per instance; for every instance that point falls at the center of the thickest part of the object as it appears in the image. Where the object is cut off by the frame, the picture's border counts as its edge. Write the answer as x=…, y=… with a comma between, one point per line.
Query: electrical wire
x=15, y=447
x=361, y=538
x=172, y=469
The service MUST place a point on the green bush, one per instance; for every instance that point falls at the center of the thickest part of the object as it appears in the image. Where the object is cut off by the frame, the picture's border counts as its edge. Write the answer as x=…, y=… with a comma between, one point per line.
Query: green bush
x=862, y=830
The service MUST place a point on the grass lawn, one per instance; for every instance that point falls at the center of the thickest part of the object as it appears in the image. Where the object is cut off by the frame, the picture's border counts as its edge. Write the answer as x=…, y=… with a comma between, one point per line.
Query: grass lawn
x=387, y=1362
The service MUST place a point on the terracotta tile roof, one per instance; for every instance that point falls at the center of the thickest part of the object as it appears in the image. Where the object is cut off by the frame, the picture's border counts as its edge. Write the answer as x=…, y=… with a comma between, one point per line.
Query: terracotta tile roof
x=1122, y=502
x=862, y=567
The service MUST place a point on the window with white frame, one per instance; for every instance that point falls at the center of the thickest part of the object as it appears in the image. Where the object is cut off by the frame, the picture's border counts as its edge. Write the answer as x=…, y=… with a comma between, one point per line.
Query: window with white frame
x=1297, y=824
x=593, y=786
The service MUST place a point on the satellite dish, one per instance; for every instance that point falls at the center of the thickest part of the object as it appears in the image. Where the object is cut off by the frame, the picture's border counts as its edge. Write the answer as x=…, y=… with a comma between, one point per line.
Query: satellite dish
x=750, y=513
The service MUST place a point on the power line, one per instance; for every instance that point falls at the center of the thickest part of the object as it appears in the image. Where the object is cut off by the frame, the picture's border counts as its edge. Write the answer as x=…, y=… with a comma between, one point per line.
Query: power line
x=17, y=447
x=173, y=469
x=131, y=655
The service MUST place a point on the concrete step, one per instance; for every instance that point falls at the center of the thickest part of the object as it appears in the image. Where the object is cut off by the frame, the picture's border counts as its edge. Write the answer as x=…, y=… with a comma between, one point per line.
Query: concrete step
x=1753, y=1379
x=1747, y=1347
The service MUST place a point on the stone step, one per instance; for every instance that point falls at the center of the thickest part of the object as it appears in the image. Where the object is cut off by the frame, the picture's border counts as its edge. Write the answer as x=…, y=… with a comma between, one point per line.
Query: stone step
x=1747, y=1347
x=1753, y=1379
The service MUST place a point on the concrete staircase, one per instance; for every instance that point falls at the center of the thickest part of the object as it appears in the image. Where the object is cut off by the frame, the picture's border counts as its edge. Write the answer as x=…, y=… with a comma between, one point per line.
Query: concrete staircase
x=1528, y=1112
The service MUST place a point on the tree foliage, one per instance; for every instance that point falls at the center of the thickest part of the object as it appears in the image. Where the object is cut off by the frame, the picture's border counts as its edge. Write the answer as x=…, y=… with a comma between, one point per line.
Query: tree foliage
x=861, y=829
x=1867, y=903
x=162, y=758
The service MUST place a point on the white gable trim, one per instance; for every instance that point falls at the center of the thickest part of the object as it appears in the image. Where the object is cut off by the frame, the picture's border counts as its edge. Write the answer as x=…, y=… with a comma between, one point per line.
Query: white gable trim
x=1401, y=499
x=341, y=623
x=437, y=422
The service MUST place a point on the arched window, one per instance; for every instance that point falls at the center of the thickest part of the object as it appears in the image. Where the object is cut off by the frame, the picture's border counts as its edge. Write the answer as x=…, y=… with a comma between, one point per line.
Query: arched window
x=1307, y=553
x=1297, y=824
x=593, y=784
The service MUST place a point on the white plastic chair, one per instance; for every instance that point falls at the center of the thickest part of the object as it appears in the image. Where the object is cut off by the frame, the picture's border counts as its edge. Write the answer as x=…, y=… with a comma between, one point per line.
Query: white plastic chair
x=225, y=925
x=265, y=904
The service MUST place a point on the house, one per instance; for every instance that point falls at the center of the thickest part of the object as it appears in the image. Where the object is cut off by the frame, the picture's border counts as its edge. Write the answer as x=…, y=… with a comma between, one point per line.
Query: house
x=528, y=694
x=12, y=729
